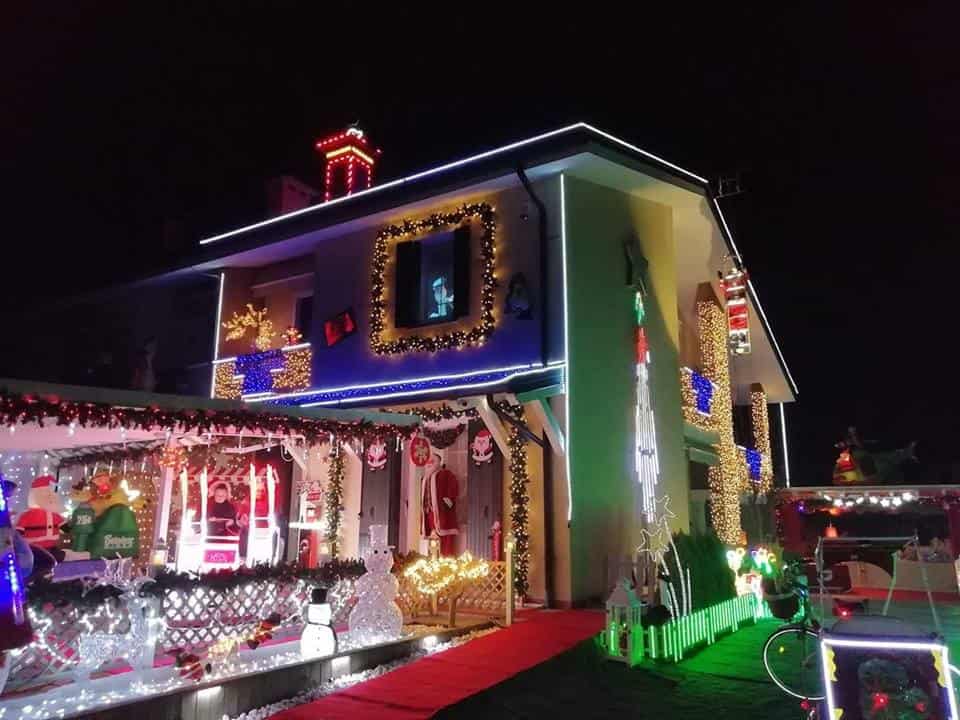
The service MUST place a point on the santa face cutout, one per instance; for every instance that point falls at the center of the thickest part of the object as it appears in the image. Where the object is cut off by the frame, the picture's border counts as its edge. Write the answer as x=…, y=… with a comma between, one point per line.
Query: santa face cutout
x=481, y=449
x=377, y=455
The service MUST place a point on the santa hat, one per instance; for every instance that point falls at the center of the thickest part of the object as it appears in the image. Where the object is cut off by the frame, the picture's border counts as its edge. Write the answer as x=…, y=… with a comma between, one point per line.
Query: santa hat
x=44, y=481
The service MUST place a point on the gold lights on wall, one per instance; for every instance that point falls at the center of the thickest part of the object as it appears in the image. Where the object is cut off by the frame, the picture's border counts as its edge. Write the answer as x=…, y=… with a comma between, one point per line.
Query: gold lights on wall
x=724, y=479
x=296, y=373
x=226, y=384
x=760, y=423
x=458, y=338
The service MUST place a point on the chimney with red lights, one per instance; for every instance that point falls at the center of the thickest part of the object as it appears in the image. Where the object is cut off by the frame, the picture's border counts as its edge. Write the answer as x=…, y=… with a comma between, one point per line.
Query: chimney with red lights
x=349, y=160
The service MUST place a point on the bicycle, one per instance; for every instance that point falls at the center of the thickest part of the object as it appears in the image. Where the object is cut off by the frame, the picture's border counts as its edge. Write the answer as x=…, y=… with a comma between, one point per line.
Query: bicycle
x=791, y=655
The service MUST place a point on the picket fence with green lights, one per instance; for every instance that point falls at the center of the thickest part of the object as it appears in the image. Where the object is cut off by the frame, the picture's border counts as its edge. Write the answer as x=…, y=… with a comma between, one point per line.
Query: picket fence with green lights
x=670, y=641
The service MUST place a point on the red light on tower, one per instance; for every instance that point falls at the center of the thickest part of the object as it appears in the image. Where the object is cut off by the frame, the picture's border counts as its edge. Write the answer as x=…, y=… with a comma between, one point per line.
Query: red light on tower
x=350, y=159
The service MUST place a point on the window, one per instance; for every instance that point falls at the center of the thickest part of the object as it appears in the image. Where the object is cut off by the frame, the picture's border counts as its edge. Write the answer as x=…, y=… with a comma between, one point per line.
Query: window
x=433, y=279
x=304, y=317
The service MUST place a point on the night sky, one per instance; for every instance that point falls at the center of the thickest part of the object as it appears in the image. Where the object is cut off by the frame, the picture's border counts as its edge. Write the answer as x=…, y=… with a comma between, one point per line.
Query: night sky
x=117, y=124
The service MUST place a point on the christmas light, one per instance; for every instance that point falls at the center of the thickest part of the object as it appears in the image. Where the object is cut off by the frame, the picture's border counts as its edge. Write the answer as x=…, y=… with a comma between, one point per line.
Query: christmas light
x=414, y=342
x=783, y=437
x=941, y=662
x=466, y=161
x=345, y=149
x=255, y=320
x=734, y=289
x=760, y=423
x=723, y=478
x=216, y=335
x=334, y=498
x=519, y=499
x=446, y=575
x=567, y=421
x=647, y=464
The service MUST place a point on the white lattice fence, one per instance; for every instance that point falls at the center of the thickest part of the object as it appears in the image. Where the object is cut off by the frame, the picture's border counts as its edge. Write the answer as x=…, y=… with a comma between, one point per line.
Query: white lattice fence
x=193, y=619
x=55, y=649
x=488, y=594
x=199, y=617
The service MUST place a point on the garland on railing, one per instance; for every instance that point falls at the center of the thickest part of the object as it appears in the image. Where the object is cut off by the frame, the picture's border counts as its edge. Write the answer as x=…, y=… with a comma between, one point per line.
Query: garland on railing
x=441, y=439
x=519, y=499
x=334, y=499
x=50, y=409
x=79, y=594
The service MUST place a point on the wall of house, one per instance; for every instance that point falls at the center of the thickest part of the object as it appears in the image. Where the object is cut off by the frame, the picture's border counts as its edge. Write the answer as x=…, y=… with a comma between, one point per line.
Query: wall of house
x=604, y=526
x=343, y=281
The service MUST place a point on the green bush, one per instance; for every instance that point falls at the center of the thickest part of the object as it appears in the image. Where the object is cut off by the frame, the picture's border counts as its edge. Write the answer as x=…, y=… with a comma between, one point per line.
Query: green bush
x=705, y=557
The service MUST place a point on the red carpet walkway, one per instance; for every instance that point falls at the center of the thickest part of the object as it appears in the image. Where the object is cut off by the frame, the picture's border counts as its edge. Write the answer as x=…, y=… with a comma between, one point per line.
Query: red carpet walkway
x=420, y=689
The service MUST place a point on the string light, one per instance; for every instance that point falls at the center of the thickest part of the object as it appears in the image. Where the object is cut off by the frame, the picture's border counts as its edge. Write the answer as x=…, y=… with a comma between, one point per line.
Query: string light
x=645, y=431
x=446, y=575
x=723, y=478
x=334, y=498
x=352, y=149
x=760, y=421
x=459, y=338
x=519, y=500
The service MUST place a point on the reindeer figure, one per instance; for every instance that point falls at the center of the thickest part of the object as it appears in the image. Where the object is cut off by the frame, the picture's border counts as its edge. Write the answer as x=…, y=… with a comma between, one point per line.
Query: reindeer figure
x=137, y=645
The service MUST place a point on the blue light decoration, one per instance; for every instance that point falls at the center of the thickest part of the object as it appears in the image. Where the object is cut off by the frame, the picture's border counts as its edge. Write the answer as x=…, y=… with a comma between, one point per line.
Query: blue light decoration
x=704, y=391
x=13, y=622
x=754, y=460
x=492, y=378
x=257, y=370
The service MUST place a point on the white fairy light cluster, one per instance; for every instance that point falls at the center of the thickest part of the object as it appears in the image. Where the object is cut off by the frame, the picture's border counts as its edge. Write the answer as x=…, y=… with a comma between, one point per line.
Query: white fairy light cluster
x=376, y=617
x=345, y=681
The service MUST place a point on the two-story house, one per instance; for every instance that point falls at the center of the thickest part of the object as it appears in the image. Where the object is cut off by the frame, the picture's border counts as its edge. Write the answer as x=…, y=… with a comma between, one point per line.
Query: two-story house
x=552, y=309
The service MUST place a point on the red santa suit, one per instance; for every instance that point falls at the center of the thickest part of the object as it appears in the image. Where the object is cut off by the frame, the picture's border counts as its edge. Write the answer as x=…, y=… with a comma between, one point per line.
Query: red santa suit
x=439, y=501
x=40, y=523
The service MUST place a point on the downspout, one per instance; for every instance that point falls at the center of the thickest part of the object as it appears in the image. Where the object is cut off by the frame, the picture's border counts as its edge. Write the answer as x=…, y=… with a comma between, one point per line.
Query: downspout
x=544, y=350
x=542, y=227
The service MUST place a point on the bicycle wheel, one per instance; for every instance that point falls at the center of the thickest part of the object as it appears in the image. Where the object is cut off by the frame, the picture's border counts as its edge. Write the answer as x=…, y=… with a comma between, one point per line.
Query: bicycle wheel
x=791, y=656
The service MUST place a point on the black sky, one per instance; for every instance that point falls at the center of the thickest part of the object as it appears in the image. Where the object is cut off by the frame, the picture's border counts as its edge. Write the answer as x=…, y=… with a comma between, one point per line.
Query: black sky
x=843, y=122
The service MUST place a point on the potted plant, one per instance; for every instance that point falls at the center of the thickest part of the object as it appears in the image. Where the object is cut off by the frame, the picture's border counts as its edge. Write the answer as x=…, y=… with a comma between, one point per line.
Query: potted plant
x=779, y=590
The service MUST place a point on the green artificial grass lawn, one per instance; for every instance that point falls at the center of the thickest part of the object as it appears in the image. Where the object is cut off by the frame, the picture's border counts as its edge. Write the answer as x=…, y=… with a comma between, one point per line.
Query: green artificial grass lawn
x=725, y=680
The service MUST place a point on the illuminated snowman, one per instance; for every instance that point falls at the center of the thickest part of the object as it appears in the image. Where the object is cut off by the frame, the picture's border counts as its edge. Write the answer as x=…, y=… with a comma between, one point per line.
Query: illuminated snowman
x=376, y=617
x=318, y=638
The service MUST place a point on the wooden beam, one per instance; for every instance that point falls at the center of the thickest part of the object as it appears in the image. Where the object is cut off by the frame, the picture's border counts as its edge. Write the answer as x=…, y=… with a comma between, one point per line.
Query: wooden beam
x=541, y=410
x=492, y=421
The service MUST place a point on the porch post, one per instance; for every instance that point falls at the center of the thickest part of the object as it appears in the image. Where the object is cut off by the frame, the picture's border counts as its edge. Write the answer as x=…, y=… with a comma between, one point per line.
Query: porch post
x=158, y=551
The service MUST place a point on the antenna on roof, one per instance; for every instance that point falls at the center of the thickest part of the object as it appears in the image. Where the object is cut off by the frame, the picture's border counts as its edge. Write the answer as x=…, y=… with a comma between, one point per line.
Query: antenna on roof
x=728, y=185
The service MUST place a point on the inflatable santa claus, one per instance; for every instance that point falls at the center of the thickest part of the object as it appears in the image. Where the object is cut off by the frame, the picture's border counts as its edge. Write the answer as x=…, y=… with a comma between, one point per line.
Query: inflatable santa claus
x=439, y=502
x=40, y=523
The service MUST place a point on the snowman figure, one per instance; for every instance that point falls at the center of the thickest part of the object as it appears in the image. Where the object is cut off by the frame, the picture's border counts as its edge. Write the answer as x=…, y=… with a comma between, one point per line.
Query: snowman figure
x=376, y=617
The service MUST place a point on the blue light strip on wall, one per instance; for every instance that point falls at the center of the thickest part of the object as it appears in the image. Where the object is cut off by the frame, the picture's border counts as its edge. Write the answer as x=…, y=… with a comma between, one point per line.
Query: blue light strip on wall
x=413, y=387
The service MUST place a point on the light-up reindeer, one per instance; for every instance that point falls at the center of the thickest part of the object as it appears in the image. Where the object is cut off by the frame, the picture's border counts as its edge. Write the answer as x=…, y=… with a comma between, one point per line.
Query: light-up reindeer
x=138, y=643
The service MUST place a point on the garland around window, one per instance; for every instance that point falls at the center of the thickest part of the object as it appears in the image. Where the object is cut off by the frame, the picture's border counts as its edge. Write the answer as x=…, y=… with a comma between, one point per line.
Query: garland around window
x=388, y=236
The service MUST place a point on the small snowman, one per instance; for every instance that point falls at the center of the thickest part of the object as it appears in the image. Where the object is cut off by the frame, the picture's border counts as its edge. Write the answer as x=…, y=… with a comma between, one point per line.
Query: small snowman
x=376, y=616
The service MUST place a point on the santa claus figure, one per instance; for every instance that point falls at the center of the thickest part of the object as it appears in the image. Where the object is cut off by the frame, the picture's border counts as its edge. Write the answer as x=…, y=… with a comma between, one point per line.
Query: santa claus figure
x=482, y=447
x=40, y=522
x=377, y=455
x=439, y=501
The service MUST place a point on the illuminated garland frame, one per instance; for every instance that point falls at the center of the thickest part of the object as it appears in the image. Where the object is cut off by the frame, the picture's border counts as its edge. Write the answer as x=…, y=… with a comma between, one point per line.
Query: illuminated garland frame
x=334, y=499
x=519, y=500
x=50, y=410
x=388, y=236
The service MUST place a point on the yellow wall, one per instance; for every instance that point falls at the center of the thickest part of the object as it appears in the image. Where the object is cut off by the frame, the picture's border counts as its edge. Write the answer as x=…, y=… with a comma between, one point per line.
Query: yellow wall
x=605, y=527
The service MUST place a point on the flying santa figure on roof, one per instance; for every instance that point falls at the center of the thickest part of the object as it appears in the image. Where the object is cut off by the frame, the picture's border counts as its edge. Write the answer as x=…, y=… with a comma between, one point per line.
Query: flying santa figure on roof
x=40, y=523
x=439, y=502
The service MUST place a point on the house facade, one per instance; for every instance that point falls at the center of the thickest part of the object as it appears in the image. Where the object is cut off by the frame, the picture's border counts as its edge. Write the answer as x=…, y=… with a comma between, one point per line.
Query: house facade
x=569, y=315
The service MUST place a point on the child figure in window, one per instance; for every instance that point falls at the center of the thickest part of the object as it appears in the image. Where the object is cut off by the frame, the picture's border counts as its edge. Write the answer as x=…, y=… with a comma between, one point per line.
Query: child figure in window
x=221, y=514
x=442, y=299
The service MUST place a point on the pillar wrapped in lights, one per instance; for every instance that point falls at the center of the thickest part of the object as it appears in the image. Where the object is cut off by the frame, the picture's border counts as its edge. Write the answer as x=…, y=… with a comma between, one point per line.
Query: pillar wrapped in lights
x=761, y=436
x=725, y=477
x=334, y=498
